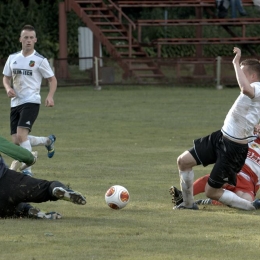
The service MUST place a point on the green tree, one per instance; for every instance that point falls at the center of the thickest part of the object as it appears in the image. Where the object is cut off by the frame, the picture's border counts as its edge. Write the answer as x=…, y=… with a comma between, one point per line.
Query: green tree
x=44, y=16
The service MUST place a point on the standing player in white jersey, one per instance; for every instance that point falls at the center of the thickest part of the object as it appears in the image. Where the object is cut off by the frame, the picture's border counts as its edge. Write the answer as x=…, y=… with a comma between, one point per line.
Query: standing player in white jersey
x=26, y=69
x=226, y=148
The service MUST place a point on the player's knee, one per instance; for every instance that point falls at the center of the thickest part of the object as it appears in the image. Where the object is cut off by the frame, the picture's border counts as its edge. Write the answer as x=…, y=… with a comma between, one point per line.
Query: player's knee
x=212, y=193
x=208, y=193
x=181, y=162
x=185, y=161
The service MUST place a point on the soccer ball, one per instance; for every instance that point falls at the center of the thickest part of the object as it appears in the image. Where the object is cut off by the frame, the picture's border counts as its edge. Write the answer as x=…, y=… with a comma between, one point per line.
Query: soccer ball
x=117, y=197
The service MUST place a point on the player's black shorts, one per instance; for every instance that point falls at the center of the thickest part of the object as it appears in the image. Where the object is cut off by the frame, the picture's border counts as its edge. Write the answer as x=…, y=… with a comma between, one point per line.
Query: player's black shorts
x=228, y=156
x=23, y=116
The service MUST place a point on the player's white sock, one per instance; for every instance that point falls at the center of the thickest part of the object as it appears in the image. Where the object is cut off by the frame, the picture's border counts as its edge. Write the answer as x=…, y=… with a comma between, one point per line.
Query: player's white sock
x=186, y=182
x=37, y=140
x=27, y=145
x=231, y=199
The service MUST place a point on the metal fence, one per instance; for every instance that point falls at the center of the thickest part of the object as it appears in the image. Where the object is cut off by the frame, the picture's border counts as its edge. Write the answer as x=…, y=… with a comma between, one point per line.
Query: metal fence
x=176, y=71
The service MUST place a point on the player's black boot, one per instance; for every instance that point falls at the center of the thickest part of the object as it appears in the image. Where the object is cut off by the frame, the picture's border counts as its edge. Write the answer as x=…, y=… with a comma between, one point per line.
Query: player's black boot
x=69, y=195
x=181, y=206
x=256, y=203
x=177, y=198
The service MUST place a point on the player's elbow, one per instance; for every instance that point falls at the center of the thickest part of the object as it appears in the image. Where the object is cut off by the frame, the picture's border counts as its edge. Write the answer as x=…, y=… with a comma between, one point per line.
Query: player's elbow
x=248, y=91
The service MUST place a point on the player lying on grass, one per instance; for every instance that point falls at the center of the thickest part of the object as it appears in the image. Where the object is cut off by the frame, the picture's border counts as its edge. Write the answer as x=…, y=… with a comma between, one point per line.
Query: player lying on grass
x=17, y=189
x=248, y=180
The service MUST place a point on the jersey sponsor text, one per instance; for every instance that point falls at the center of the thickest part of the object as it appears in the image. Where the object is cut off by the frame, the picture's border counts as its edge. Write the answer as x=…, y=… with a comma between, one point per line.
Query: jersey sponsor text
x=22, y=72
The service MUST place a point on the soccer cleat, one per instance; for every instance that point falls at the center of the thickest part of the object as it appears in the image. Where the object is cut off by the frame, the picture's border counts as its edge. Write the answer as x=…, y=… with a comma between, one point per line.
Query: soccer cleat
x=33, y=212
x=26, y=172
x=177, y=198
x=36, y=213
x=69, y=195
x=181, y=206
x=50, y=147
x=256, y=204
x=204, y=202
x=53, y=215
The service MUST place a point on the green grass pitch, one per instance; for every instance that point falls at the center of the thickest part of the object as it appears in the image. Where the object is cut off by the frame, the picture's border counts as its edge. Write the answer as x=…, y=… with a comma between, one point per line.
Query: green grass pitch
x=129, y=136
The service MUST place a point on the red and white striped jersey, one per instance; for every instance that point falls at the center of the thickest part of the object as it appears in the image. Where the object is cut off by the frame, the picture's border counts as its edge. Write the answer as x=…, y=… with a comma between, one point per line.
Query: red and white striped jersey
x=251, y=168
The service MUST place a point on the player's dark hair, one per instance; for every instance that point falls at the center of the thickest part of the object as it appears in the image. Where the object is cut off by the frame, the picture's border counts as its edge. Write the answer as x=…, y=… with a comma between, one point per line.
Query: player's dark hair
x=28, y=27
x=253, y=65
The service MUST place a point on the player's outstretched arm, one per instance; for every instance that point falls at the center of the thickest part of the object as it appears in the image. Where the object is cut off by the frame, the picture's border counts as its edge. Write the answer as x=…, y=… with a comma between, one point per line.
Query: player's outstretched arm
x=16, y=152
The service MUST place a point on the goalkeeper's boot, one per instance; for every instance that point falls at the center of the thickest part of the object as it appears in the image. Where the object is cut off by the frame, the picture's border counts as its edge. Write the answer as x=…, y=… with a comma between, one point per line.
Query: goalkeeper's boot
x=181, y=206
x=36, y=213
x=177, y=198
x=50, y=147
x=69, y=195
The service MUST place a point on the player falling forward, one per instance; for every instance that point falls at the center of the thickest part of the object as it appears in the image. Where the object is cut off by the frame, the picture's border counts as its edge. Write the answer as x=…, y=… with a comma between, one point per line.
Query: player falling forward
x=248, y=181
x=227, y=147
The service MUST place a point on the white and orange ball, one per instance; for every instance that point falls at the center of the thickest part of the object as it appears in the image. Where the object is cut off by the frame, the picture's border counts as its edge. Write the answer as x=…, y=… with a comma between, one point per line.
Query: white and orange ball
x=117, y=197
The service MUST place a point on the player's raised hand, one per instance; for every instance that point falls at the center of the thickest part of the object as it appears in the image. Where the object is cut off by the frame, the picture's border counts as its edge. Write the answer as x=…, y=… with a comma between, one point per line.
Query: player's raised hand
x=237, y=57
